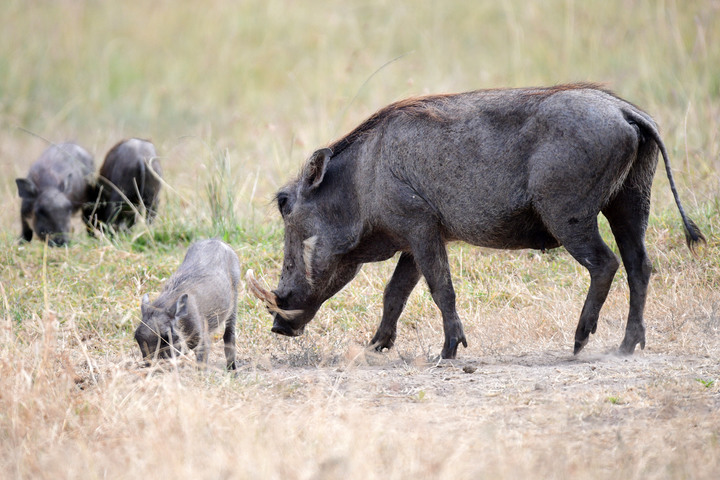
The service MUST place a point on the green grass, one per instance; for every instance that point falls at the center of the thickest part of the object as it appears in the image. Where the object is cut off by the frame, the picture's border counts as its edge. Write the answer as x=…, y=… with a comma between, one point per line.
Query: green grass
x=707, y=383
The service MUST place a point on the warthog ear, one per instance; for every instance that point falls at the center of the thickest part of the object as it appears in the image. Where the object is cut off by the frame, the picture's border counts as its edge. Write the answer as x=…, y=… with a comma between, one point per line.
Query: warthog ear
x=181, y=307
x=26, y=188
x=314, y=170
x=144, y=303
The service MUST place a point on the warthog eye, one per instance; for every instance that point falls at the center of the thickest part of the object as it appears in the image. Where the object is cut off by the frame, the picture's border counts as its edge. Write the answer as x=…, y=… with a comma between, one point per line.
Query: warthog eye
x=283, y=202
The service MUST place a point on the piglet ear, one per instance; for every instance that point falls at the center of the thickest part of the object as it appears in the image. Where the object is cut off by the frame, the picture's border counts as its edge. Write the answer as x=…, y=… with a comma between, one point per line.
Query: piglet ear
x=181, y=307
x=314, y=170
x=26, y=188
x=144, y=304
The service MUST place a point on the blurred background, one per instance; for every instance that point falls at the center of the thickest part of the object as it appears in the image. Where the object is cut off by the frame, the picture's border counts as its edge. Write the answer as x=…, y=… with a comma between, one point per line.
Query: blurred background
x=236, y=95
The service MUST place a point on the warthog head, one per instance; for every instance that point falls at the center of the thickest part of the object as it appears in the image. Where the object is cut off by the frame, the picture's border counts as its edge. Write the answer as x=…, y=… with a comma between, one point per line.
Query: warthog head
x=318, y=234
x=159, y=333
x=51, y=211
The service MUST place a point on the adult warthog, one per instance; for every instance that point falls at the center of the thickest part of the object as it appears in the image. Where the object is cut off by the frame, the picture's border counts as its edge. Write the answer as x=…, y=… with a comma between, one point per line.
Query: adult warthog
x=511, y=169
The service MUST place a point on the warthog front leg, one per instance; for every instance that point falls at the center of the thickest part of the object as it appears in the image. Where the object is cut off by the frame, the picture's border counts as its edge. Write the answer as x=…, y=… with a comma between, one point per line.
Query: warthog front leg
x=229, y=341
x=431, y=257
x=397, y=291
x=25, y=212
x=27, y=232
x=202, y=351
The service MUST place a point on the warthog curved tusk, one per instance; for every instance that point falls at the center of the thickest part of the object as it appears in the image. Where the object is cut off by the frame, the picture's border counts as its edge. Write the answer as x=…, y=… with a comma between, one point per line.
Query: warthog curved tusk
x=267, y=297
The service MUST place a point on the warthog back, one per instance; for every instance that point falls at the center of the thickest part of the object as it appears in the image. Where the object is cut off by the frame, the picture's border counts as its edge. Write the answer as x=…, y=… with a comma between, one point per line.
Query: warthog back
x=129, y=184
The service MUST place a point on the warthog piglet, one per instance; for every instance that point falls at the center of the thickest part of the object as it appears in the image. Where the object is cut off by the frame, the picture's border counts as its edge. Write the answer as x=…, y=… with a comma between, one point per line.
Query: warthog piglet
x=129, y=184
x=58, y=185
x=197, y=300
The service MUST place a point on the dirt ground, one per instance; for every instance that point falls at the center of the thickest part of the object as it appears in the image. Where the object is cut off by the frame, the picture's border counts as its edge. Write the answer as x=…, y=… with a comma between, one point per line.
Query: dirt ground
x=535, y=382
x=538, y=415
x=545, y=414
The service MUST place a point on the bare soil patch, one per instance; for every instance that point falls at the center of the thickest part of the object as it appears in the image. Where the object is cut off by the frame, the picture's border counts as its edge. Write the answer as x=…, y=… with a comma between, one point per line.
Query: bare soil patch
x=545, y=414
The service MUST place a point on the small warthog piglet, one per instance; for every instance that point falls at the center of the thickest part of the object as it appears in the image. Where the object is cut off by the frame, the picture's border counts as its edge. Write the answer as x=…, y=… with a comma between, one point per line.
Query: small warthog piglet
x=58, y=185
x=129, y=184
x=198, y=299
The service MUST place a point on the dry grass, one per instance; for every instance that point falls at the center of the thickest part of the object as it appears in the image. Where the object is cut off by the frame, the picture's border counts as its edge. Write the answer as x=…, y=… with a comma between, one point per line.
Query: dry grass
x=235, y=95
x=515, y=404
x=542, y=415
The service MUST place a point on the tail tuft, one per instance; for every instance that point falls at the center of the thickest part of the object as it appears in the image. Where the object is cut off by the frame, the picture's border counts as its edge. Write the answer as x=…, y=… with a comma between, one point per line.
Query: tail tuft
x=693, y=236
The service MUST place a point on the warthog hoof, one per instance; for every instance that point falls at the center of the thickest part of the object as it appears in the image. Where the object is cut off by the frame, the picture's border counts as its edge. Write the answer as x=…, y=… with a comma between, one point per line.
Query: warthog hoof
x=579, y=344
x=634, y=335
x=381, y=341
x=449, y=350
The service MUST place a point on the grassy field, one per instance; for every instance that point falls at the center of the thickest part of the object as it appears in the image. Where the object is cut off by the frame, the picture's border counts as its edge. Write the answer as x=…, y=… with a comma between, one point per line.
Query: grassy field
x=235, y=96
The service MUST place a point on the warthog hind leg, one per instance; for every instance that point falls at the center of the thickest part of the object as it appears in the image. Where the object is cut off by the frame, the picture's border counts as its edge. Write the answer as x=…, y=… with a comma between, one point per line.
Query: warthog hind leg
x=229, y=341
x=592, y=253
x=628, y=214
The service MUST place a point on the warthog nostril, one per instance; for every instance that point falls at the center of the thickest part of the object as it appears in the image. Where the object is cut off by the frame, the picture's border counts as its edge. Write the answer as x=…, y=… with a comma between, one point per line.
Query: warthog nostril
x=282, y=331
x=280, y=300
x=285, y=330
x=57, y=241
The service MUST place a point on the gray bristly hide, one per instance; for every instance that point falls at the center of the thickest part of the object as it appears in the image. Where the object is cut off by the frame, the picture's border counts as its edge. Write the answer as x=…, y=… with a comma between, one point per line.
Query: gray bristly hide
x=59, y=184
x=506, y=169
x=197, y=300
x=129, y=185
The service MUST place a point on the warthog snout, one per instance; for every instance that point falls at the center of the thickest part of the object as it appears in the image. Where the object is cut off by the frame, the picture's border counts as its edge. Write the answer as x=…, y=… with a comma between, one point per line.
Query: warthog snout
x=54, y=239
x=156, y=344
x=57, y=242
x=282, y=327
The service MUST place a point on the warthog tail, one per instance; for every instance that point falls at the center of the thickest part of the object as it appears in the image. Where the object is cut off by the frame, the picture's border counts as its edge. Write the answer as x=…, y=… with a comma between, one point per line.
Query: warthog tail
x=693, y=235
